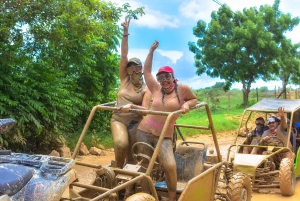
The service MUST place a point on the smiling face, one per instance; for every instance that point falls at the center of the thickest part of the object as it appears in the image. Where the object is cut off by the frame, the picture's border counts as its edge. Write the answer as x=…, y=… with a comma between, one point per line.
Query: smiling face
x=135, y=72
x=272, y=125
x=166, y=81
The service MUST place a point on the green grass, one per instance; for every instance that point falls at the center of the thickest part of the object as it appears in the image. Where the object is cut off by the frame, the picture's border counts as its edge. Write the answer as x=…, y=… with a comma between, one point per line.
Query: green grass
x=222, y=120
x=91, y=139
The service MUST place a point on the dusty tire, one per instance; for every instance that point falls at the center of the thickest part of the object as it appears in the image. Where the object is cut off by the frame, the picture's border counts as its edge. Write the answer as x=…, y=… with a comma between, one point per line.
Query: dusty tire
x=287, y=178
x=239, y=188
x=140, y=197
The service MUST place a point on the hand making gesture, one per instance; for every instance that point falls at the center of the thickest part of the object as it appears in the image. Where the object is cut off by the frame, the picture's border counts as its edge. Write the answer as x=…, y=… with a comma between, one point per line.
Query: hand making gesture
x=125, y=25
x=281, y=111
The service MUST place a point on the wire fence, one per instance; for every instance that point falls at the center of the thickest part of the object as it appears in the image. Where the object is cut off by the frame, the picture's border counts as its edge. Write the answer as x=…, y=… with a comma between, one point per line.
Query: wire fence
x=255, y=95
x=279, y=93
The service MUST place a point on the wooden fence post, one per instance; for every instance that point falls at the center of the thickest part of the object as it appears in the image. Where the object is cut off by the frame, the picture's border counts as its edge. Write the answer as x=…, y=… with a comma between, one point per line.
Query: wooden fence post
x=256, y=94
x=228, y=100
x=207, y=99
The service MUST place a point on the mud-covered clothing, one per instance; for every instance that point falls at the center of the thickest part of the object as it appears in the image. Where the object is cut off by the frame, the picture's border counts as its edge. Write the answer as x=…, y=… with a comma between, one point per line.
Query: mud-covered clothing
x=282, y=134
x=166, y=156
x=127, y=95
x=124, y=125
x=155, y=123
x=256, y=135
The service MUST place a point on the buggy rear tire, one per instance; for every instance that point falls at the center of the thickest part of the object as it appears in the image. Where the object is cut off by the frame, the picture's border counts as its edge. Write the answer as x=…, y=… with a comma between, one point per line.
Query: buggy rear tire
x=239, y=188
x=140, y=197
x=287, y=178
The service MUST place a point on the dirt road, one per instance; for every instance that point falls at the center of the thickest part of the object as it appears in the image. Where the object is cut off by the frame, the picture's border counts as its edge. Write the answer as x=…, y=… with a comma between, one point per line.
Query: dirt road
x=224, y=140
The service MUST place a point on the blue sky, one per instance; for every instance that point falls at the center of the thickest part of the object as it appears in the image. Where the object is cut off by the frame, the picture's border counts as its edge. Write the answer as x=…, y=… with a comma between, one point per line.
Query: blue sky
x=171, y=23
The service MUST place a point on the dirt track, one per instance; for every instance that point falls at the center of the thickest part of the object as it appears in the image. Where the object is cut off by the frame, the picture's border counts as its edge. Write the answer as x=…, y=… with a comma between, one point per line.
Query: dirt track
x=224, y=140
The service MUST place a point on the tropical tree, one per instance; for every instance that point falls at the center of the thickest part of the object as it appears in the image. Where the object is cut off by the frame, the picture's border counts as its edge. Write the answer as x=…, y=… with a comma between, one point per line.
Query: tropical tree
x=243, y=46
x=289, y=72
x=58, y=58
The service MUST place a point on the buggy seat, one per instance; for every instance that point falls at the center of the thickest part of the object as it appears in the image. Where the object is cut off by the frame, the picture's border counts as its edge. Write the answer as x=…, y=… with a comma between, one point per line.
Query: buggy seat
x=190, y=163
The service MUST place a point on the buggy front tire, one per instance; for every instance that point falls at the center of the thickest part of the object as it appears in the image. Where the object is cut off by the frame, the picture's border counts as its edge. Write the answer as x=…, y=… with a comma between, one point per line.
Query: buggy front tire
x=140, y=197
x=287, y=178
x=239, y=188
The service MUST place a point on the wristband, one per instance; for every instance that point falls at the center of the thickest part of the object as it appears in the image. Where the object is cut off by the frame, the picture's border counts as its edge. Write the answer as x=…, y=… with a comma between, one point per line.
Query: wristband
x=126, y=34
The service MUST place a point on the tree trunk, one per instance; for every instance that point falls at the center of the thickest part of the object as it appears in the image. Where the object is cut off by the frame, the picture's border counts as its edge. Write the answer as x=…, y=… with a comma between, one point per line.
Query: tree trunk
x=245, y=96
x=246, y=91
x=284, y=83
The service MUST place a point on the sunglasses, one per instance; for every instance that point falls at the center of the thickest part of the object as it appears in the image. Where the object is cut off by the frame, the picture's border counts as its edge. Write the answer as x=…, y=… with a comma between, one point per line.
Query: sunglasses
x=164, y=76
x=259, y=124
x=136, y=68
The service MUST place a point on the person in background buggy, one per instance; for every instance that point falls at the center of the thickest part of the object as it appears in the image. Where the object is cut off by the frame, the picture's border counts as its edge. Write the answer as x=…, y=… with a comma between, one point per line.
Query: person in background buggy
x=277, y=131
x=254, y=137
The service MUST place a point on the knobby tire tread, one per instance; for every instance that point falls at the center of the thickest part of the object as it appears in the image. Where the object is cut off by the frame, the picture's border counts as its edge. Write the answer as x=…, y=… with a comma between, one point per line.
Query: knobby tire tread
x=286, y=177
x=237, y=183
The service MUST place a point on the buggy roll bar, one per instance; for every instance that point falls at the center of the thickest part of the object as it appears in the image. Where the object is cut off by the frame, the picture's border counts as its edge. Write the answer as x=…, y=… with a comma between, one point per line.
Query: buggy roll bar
x=109, y=107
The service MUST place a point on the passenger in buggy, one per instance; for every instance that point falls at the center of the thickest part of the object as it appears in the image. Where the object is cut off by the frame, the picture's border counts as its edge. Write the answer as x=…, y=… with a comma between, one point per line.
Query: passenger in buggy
x=254, y=137
x=133, y=93
x=276, y=135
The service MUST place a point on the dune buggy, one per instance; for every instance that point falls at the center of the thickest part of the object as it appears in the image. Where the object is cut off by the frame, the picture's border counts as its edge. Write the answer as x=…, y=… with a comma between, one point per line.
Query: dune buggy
x=265, y=172
x=201, y=173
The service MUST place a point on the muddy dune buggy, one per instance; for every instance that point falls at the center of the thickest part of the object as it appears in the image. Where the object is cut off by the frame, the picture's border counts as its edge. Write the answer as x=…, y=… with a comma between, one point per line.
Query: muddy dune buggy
x=201, y=173
x=265, y=171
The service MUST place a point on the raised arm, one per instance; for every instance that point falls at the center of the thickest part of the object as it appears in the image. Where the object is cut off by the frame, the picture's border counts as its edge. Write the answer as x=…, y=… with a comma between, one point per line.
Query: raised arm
x=150, y=80
x=124, y=50
x=283, y=124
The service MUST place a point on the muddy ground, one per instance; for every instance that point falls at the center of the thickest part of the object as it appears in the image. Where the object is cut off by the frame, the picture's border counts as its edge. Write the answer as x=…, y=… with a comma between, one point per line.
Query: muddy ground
x=224, y=139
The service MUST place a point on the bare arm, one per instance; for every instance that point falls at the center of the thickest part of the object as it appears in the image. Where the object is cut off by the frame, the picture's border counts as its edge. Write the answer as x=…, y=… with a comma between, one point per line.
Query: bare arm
x=190, y=100
x=150, y=80
x=145, y=104
x=129, y=106
x=283, y=124
x=124, y=51
x=186, y=106
x=147, y=99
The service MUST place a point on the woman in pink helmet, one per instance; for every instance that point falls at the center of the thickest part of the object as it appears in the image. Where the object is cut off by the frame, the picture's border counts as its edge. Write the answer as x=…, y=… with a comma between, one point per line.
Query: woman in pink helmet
x=168, y=96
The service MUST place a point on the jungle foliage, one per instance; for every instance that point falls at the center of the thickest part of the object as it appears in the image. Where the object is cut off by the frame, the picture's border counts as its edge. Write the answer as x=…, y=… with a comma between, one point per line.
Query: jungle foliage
x=58, y=58
x=246, y=46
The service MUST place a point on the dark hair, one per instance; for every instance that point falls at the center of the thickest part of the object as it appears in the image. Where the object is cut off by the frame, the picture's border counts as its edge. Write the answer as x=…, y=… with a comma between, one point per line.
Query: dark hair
x=176, y=91
x=260, y=118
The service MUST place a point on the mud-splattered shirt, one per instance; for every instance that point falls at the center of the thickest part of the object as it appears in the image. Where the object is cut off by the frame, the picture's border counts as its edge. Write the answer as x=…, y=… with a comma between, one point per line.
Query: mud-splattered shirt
x=128, y=94
x=155, y=123
x=279, y=133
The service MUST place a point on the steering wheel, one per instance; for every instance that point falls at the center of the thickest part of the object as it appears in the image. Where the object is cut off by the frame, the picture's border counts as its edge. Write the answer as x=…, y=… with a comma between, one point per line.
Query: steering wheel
x=144, y=158
x=274, y=141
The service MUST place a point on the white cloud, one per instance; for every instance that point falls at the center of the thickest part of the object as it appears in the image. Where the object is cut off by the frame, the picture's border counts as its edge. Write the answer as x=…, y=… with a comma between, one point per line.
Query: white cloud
x=173, y=55
x=142, y=54
x=197, y=82
x=197, y=9
x=153, y=19
x=139, y=53
x=156, y=19
x=294, y=35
